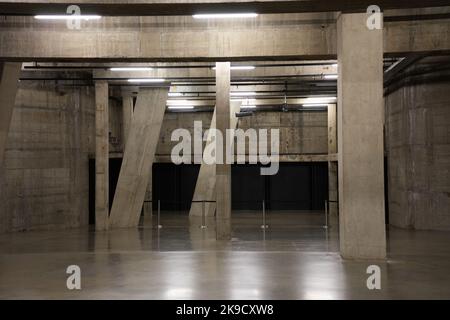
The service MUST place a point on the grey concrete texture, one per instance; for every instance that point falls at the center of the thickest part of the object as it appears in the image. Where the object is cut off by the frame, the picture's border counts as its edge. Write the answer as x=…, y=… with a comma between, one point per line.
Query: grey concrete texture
x=101, y=155
x=301, y=133
x=44, y=179
x=418, y=139
x=360, y=139
x=138, y=157
x=223, y=170
x=177, y=38
x=205, y=188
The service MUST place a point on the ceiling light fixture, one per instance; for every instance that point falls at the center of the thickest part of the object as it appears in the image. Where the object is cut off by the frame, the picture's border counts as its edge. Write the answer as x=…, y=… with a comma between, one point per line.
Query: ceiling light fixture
x=145, y=80
x=67, y=17
x=330, y=76
x=224, y=15
x=314, y=105
x=319, y=100
x=240, y=68
x=175, y=94
x=248, y=107
x=180, y=107
x=131, y=69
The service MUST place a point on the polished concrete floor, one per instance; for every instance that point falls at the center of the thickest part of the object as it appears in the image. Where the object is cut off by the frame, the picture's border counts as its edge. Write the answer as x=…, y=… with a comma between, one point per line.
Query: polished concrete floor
x=295, y=258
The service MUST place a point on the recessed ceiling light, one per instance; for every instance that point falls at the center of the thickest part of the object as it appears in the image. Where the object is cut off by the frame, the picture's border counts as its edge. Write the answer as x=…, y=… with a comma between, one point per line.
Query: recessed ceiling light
x=224, y=15
x=67, y=17
x=180, y=107
x=131, y=69
x=244, y=93
x=145, y=80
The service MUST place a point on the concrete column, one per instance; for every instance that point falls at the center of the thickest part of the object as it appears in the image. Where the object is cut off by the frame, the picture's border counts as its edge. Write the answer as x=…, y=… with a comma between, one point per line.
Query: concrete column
x=332, y=167
x=9, y=82
x=138, y=157
x=360, y=139
x=101, y=156
x=127, y=114
x=223, y=171
x=205, y=188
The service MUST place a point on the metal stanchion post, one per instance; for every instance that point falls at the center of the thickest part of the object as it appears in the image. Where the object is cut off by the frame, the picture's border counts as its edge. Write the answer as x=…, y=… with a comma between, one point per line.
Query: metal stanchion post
x=264, y=225
x=203, y=216
x=159, y=214
x=326, y=214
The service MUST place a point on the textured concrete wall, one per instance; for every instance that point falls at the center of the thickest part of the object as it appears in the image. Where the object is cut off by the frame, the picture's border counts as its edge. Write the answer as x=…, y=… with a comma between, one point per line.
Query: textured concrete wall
x=44, y=181
x=300, y=132
x=418, y=144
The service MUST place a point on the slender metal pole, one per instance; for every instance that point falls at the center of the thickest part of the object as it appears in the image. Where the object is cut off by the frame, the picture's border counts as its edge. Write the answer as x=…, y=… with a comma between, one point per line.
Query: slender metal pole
x=326, y=214
x=264, y=226
x=159, y=214
x=203, y=216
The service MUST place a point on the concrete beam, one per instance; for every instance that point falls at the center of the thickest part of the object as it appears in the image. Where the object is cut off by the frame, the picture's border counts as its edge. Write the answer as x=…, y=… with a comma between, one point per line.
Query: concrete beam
x=223, y=171
x=284, y=37
x=180, y=7
x=101, y=156
x=9, y=82
x=360, y=139
x=138, y=157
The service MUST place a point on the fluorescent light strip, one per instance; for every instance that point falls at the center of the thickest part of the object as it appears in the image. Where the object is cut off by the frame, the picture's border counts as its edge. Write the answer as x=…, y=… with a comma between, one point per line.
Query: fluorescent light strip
x=145, y=80
x=330, y=76
x=175, y=94
x=67, y=17
x=180, y=107
x=314, y=105
x=240, y=68
x=320, y=100
x=224, y=15
x=131, y=69
x=248, y=107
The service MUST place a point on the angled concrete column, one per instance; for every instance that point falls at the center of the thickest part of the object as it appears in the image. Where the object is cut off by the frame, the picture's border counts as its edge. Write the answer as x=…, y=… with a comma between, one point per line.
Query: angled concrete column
x=101, y=156
x=223, y=171
x=138, y=157
x=360, y=139
x=332, y=167
x=127, y=115
x=9, y=82
x=205, y=188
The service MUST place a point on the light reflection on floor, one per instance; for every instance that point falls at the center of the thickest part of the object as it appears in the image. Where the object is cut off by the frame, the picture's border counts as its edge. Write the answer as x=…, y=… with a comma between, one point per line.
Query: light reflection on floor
x=296, y=258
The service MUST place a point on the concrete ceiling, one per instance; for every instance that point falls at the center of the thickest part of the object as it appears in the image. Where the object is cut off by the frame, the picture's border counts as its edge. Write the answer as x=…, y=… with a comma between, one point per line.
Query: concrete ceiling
x=160, y=8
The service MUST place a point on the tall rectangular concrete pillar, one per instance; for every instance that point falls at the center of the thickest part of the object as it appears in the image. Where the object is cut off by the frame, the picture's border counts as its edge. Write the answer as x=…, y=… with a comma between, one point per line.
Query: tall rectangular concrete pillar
x=223, y=171
x=138, y=157
x=127, y=115
x=332, y=167
x=360, y=138
x=101, y=156
x=9, y=82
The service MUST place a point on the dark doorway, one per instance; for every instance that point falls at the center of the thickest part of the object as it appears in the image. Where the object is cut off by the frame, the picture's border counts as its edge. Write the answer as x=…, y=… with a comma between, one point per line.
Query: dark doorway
x=174, y=185
x=114, y=171
x=296, y=186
